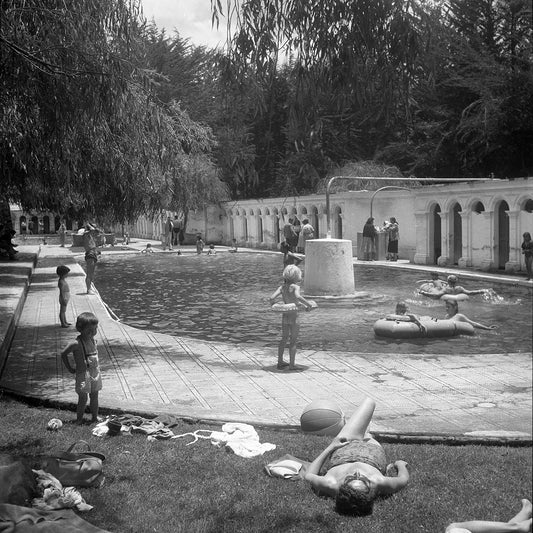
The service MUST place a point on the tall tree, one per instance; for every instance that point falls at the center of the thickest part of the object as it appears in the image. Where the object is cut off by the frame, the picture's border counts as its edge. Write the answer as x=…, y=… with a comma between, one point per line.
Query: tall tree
x=80, y=127
x=351, y=69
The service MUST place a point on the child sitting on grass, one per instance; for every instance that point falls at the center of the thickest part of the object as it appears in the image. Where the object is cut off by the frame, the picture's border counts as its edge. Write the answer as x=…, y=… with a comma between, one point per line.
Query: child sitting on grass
x=64, y=294
x=86, y=365
x=290, y=293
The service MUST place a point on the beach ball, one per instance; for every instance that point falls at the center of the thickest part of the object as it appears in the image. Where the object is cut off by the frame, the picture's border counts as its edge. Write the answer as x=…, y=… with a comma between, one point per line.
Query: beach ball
x=322, y=417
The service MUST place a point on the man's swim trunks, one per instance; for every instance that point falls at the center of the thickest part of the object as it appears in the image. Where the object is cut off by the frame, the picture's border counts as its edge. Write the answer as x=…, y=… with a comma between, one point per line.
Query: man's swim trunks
x=358, y=451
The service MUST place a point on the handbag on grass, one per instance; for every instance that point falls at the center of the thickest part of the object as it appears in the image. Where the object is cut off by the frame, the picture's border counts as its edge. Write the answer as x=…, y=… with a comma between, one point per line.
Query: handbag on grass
x=76, y=469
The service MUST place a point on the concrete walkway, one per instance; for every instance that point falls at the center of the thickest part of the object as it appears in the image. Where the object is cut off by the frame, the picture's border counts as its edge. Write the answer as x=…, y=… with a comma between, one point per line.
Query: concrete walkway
x=458, y=397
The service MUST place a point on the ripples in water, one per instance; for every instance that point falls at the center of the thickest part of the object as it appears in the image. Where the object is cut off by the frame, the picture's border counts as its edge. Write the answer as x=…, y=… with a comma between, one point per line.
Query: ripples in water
x=225, y=298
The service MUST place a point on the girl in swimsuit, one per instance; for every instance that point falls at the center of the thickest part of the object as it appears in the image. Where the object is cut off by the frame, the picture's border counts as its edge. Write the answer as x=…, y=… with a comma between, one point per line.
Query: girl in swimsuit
x=352, y=469
x=290, y=293
x=86, y=365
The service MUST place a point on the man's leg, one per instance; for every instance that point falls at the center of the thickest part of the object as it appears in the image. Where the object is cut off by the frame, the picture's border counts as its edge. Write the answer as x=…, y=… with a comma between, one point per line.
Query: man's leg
x=357, y=425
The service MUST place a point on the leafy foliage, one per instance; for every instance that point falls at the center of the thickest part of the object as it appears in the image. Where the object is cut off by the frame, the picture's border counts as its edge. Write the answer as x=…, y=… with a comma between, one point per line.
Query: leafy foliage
x=82, y=130
x=435, y=89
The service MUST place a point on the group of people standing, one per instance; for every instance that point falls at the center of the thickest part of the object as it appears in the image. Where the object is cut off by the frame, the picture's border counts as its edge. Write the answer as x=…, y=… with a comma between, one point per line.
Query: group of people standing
x=297, y=233
x=174, y=233
x=370, y=233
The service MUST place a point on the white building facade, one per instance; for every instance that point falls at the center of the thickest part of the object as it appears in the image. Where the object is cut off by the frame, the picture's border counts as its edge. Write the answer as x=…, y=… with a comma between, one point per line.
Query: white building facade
x=470, y=224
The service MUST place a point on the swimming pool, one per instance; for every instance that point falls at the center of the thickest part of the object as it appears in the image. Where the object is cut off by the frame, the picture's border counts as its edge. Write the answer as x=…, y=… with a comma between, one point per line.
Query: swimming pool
x=225, y=298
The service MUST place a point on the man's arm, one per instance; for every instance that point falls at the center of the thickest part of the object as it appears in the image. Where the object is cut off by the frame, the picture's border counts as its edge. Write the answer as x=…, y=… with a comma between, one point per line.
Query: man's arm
x=395, y=484
x=321, y=484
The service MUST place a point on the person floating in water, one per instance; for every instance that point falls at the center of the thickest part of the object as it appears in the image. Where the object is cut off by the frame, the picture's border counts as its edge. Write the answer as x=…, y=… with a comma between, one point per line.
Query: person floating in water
x=402, y=315
x=211, y=250
x=452, y=313
x=451, y=289
x=148, y=249
x=433, y=284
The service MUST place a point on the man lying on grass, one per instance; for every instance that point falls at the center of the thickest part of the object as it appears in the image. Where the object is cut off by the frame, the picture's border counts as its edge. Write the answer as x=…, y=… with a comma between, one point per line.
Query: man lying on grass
x=352, y=469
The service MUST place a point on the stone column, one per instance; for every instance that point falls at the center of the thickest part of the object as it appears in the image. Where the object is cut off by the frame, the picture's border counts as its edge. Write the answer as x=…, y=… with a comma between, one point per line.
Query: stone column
x=515, y=242
x=466, y=230
x=329, y=268
x=423, y=255
x=444, y=258
x=487, y=262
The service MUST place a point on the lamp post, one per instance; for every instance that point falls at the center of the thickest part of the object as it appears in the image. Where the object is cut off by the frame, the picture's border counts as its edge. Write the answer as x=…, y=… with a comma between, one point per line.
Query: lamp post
x=382, y=189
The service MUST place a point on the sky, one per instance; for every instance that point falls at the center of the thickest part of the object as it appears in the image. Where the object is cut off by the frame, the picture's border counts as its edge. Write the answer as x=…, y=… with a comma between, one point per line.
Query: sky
x=191, y=18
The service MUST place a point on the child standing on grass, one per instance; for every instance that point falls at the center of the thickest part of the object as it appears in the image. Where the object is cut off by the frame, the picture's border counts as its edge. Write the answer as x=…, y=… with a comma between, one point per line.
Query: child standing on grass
x=64, y=294
x=86, y=365
x=290, y=293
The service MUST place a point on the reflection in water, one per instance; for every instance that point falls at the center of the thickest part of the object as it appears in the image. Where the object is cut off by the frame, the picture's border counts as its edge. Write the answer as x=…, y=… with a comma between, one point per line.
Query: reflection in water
x=225, y=298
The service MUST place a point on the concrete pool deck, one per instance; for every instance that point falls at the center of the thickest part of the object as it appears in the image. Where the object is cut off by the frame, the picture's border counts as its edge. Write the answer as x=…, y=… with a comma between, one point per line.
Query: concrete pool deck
x=457, y=397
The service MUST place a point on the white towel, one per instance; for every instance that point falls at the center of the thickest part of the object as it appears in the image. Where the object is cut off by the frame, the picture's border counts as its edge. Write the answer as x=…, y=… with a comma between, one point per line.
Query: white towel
x=241, y=439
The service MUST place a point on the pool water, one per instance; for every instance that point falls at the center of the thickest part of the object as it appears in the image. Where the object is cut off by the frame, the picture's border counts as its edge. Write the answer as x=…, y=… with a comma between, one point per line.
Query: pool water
x=225, y=298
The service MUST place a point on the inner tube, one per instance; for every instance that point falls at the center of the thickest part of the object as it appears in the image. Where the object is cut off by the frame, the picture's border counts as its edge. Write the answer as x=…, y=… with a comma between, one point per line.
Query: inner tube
x=286, y=308
x=396, y=329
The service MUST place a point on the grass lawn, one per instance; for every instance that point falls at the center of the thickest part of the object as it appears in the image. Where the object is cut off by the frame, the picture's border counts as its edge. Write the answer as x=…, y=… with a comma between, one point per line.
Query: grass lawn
x=166, y=486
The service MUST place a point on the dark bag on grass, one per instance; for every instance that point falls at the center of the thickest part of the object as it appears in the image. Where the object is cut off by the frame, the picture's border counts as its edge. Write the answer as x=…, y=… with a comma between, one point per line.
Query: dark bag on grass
x=76, y=469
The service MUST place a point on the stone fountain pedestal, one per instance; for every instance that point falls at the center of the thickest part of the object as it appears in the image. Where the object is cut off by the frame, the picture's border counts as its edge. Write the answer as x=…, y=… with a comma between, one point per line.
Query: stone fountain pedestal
x=329, y=269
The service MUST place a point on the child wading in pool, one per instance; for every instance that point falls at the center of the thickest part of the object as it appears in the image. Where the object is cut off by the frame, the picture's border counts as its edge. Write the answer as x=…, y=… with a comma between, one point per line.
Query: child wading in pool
x=64, y=294
x=290, y=293
x=86, y=365
x=199, y=245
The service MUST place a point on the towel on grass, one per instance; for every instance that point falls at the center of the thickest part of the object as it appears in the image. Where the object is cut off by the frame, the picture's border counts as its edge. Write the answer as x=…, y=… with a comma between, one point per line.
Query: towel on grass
x=241, y=439
x=55, y=496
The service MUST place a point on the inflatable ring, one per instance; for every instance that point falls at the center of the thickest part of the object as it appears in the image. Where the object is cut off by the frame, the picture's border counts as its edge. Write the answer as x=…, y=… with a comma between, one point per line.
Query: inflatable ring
x=286, y=308
x=454, y=297
x=409, y=330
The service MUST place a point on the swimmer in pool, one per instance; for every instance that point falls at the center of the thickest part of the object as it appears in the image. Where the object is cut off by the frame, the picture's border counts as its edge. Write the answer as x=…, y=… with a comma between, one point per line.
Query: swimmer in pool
x=452, y=313
x=451, y=289
x=437, y=283
x=402, y=315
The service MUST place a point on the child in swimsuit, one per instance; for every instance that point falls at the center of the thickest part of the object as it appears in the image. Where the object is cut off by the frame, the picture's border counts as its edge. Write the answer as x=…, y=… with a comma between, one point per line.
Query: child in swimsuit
x=86, y=365
x=401, y=315
x=290, y=293
x=435, y=283
x=64, y=294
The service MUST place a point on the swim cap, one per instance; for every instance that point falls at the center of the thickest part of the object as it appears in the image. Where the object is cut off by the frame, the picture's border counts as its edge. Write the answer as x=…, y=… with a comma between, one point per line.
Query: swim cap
x=452, y=278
